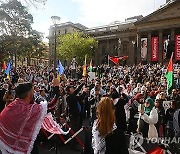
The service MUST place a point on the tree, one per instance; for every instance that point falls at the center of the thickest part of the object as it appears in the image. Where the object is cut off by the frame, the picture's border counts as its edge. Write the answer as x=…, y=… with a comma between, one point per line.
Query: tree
x=31, y=47
x=34, y=3
x=15, y=19
x=76, y=45
x=17, y=37
x=15, y=24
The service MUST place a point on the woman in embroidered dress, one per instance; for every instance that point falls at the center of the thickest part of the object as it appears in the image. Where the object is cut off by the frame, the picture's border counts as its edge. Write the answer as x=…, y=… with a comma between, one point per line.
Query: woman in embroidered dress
x=106, y=138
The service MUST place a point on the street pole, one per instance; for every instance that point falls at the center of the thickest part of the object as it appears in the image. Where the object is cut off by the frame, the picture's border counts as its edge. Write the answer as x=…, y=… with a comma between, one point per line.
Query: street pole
x=55, y=52
x=55, y=20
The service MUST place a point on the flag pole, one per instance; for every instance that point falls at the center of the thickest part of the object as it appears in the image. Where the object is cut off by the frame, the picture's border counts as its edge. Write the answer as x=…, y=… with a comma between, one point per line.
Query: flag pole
x=172, y=55
x=167, y=91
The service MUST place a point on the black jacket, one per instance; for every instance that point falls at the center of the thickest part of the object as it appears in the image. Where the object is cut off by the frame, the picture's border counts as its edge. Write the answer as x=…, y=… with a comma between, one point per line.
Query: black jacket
x=116, y=143
x=72, y=101
x=120, y=113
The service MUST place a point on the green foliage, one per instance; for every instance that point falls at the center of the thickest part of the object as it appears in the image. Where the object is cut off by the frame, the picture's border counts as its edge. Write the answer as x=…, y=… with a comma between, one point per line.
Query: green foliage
x=14, y=19
x=76, y=45
x=34, y=3
x=16, y=34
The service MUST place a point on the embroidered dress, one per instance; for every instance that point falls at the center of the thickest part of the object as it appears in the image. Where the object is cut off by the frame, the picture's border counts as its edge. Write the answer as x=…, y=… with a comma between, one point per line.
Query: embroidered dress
x=98, y=142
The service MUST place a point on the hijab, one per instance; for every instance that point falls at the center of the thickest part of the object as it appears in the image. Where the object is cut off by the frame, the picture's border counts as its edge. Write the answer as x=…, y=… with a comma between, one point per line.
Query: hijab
x=148, y=109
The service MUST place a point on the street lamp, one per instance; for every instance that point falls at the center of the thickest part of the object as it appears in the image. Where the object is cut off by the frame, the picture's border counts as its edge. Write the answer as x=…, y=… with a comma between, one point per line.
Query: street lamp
x=55, y=20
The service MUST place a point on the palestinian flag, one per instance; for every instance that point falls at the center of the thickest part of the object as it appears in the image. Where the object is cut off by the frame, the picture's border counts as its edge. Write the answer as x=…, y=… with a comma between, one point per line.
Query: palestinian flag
x=169, y=76
x=90, y=66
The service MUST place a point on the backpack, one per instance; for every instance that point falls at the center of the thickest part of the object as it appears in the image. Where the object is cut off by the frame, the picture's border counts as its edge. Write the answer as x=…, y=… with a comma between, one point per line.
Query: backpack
x=176, y=123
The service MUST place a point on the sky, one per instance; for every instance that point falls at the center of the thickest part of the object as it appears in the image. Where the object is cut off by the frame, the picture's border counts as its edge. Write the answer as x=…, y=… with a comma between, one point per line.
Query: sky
x=90, y=13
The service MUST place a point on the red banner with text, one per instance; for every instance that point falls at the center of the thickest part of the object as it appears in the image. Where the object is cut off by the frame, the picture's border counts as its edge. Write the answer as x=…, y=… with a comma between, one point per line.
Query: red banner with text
x=154, y=49
x=177, y=47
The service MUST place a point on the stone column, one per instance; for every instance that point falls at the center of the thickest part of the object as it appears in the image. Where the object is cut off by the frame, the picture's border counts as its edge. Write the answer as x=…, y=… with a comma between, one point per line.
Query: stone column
x=172, y=33
x=98, y=54
x=160, y=59
x=138, y=52
x=108, y=47
x=149, y=48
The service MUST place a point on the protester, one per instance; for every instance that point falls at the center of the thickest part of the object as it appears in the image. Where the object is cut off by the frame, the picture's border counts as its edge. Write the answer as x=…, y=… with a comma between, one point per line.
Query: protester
x=119, y=102
x=169, y=119
x=24, y=122
x=138, y=82
x=105, y=132
x=73, y=102
x=161, y=114
x=148, y=118
x=9, y=96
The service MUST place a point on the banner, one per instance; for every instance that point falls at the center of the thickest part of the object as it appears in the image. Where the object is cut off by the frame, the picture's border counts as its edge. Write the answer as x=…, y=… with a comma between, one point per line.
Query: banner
x=154, y=48
x=143, y=49
x=177, y=47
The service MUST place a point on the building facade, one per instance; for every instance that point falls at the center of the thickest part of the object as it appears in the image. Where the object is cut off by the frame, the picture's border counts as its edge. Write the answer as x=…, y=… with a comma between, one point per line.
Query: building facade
x=61, y=29
x=41, y=60
x=161, y=29
x=115, y=39
x=149, y=39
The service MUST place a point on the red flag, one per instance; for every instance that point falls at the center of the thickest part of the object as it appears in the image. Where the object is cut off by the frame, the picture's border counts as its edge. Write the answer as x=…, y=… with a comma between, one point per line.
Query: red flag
x=4, y=65
x=157, y=150
x=114, y=59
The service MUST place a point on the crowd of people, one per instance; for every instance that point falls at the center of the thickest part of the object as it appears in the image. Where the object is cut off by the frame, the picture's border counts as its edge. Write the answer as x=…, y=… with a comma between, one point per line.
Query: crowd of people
x=119, y=100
